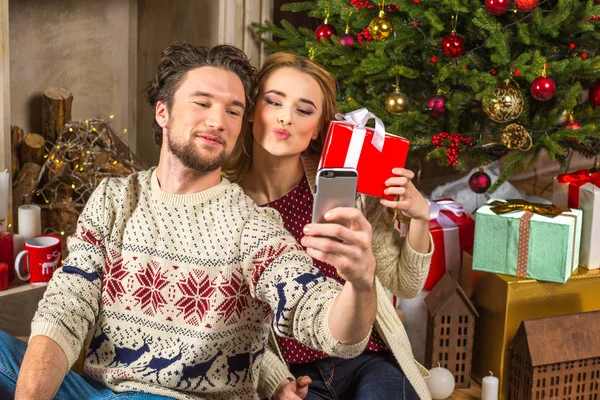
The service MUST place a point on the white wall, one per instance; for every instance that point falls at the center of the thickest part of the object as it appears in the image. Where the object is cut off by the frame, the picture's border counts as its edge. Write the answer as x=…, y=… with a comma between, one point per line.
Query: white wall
x=104, y=52
x=161, y=22
x=80, y=45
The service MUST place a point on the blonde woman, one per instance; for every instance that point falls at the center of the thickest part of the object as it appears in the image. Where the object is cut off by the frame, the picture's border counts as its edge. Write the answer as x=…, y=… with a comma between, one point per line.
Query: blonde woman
x=275, y=163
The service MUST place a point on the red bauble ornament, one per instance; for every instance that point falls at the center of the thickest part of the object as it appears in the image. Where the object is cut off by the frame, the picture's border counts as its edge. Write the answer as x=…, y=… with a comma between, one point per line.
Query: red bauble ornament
x=497, y=7
x=479, y=182
x=347, y=40
x=543, y=88
x=324, y=31
x=526, y=5
x=572, y=124
x=595, y=94
x=437, y=105
x=453, y=45
x=597, y=1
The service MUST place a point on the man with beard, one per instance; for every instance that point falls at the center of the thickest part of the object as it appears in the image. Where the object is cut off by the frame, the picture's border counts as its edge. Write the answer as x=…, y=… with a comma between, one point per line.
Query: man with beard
x=174, y=276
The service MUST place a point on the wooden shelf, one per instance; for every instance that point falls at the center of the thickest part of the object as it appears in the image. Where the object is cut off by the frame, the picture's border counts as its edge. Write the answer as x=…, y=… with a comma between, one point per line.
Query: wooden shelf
x=18, y=304
x=472, y=393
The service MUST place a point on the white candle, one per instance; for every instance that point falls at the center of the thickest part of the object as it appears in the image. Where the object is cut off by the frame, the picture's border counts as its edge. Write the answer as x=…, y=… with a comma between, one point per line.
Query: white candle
x=4, y=186
x=30, y=221
x=18, y=243
x=440, y=383
x=489, y=388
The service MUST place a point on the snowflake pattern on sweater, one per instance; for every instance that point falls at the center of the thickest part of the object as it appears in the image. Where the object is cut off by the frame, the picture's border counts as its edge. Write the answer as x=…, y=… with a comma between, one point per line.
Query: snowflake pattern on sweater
x=176, y=293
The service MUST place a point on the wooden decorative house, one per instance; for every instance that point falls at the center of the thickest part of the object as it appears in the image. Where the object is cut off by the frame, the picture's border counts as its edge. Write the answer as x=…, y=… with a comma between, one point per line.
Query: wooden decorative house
x=450, y=327
x=557, y=358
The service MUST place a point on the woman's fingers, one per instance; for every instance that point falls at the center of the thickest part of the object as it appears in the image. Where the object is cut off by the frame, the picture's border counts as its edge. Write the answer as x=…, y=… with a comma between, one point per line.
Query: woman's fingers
x=397, y=181
x=404, y=172
x=396, y=191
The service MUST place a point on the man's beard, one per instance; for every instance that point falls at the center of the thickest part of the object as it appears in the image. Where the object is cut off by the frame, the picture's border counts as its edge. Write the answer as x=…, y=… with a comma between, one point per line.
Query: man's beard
x=189, y=157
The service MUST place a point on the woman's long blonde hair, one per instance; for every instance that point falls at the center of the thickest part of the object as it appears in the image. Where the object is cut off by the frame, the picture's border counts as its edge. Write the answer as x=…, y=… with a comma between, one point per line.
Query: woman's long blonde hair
x=241, y=158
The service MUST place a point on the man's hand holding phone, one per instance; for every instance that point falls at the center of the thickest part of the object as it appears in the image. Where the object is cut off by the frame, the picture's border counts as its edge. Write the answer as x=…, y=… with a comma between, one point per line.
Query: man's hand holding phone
x=340, y=235
x=347, y=248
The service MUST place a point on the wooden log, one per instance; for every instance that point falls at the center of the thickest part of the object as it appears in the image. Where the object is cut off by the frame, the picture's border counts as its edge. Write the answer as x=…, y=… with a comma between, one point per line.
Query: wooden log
x=64, y=220
x=103, y=161
x=16, y=138
x=106, y=162
x=56, y=111
x=63, y=194
x=57, y=170
x=32, y=149
x=25, y=183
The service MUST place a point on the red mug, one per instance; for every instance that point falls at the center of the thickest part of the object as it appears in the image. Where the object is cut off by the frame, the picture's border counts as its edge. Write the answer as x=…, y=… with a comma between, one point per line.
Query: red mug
x=43, y=255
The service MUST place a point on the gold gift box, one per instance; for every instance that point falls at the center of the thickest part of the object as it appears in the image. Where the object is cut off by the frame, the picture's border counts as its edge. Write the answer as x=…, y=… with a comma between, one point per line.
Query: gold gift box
x=503, y=302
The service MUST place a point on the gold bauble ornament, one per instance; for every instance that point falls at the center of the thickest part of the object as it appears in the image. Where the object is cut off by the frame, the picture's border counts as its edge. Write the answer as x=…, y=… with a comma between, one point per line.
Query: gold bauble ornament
x=515, y=137
x=380, y=27
x=506, y=105
x=396, y=102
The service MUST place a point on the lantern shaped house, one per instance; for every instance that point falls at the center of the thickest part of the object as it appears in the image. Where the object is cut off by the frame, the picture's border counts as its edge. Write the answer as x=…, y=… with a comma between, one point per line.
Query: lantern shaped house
x=450, y=328
x=556, y=358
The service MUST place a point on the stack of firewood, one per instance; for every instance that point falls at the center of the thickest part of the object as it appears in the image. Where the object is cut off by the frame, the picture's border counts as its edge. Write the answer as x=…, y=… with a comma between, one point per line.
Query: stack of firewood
x=59, y=168
x=28, y=150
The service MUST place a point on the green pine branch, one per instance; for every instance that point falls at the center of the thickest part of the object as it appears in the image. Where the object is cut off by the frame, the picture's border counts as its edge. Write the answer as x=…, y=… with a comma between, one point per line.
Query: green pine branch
x=514, y=46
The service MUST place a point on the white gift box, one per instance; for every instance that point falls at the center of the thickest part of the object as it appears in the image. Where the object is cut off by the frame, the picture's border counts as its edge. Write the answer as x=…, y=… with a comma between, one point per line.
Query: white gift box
x=586, y=197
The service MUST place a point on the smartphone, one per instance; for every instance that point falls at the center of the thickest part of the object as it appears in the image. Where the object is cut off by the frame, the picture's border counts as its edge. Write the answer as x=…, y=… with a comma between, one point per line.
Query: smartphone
x=335, y=187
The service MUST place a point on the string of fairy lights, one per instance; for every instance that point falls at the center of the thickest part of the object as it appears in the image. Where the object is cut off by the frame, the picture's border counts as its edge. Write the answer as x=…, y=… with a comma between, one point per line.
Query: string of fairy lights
x=84, y=153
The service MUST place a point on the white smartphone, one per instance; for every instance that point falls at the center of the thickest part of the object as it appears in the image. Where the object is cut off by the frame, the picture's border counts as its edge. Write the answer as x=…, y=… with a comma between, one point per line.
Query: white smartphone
x=335, y=187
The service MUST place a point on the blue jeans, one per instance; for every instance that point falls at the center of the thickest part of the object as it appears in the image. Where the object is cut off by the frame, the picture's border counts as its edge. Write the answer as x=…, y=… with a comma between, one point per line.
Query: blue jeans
x=370, y=376
x=74, y=386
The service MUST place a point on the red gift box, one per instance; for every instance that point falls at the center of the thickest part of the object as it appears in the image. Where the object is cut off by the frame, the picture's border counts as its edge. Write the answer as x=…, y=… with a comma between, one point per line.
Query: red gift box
x=373, y=152
x=452, y=230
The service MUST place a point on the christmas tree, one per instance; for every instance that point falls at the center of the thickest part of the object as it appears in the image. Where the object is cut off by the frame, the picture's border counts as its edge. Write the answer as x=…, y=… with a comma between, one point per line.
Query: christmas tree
x=463, y=80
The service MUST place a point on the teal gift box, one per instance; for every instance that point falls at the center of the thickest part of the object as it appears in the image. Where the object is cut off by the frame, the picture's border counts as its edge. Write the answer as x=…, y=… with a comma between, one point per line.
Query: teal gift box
x=512, y=237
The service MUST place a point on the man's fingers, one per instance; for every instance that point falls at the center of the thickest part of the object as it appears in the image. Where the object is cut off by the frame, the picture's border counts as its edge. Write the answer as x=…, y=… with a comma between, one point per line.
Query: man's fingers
x=329, y=258
x=349, y=214
x=331, y=232
x=303, y=382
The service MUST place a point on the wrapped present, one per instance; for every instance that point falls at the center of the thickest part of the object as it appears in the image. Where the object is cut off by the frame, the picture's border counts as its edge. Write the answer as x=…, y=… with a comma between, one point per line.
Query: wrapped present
x=373, y=152
x=452, y=230
x=581, y=190
x=538, y=241
x=503, y=302
x=468, y=277
x=415, y=323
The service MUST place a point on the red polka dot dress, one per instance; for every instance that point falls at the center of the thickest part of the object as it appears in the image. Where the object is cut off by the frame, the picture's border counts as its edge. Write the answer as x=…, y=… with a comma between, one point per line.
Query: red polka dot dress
x=296, y=210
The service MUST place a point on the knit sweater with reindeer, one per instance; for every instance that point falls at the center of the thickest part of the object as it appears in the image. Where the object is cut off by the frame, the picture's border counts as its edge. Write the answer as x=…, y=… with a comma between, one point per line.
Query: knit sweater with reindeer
x=176, y=293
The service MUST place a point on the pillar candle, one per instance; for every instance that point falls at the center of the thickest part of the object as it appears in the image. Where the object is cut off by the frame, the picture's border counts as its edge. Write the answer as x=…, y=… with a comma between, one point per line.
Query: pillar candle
x=30, y=221
x=7, y=254
x=18, y=244
x=489, y=388
x=3, y=276
x=4, y=186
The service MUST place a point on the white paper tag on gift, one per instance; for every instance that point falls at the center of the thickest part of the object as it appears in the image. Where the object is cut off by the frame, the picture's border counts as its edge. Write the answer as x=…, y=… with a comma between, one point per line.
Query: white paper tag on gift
x=402, y=228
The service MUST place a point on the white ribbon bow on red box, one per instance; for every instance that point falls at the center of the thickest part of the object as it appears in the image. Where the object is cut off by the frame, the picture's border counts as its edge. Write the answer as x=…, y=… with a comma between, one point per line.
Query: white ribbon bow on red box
x=451, y=238
x=359, y=119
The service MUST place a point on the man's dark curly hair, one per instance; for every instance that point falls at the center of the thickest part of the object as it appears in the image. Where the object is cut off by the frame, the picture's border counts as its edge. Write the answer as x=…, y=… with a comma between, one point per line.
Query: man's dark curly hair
x=179, y=58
